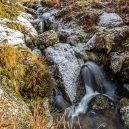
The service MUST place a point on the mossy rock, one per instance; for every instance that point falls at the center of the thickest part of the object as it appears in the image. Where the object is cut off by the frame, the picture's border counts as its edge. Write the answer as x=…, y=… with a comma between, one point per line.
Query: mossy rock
x=101, y=102
x=25, y=72
x=48, y=38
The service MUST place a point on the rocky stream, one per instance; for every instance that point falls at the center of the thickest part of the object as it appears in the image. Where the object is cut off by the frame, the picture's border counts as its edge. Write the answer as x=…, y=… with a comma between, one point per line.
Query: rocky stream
x=87, y=50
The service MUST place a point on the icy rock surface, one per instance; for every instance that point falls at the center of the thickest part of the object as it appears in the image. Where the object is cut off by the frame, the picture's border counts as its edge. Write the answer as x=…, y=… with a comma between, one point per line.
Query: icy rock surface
x=110, y=20
x=64, y=57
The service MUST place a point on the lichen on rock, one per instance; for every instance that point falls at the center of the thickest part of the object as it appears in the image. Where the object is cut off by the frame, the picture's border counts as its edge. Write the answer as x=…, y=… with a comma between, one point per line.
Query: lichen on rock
x=48, y=38
x=101, y=102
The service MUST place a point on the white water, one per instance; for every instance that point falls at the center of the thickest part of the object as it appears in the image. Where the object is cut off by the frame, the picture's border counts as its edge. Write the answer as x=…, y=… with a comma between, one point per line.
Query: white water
x=83, y=105
x=90, y=74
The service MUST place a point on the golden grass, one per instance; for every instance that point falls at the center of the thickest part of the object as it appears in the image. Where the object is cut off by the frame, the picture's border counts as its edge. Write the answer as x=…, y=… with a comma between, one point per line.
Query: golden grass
x=39, y=120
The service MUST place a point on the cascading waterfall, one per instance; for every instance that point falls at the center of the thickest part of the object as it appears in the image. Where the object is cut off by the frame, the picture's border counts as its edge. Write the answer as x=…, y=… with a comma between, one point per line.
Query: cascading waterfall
x=93, y=79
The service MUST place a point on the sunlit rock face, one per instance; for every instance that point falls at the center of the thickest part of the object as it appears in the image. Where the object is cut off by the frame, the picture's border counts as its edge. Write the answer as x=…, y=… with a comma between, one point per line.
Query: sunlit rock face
x=63, y=56
x=110, y=20
x=11, y=37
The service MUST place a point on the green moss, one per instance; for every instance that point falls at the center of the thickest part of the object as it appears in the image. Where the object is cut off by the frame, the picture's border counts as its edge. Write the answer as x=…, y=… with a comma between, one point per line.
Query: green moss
x=108, y=46
x=94, y=56
x=25, y=72
x=9, y=9
x=16, y=26
x=7, y=57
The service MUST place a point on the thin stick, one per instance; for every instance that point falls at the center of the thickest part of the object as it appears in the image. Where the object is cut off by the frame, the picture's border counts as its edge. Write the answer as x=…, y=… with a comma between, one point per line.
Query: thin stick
x=101, y=125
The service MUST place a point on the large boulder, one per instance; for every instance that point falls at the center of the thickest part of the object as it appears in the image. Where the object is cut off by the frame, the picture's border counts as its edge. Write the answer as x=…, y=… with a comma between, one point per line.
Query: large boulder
x=21, y=25
x=73, y=35
x=48, y=38
x=63, y=56
x=103, y=41
x=27, y=16
x=110, y=20
x=29, y=29
x=14, y=111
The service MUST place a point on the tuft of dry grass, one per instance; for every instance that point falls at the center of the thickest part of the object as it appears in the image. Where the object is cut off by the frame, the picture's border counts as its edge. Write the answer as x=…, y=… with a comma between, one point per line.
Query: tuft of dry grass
x=39, y=120
x=61, y=123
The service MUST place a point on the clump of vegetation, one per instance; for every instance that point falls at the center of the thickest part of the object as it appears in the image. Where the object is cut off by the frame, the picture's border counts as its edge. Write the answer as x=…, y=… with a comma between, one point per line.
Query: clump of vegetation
x=9, y=9
x=97, y=5
x=16, y=26
x=51, y=2
x=125, y=10
x=7, y=57
x=124, y=102
x=24, y=72
x=87, y=19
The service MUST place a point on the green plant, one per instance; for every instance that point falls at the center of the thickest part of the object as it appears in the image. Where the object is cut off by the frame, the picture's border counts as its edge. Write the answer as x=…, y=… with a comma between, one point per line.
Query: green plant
x=8, y=57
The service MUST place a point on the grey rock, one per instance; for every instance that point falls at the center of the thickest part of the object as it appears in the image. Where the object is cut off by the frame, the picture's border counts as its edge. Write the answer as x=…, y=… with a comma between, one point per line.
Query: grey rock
x=11, y=37
x=64, y=58
x=110, y=20
x=42, y=9
x=117, y=60
x=37, y=52
x=31, y=11
x=49, y=21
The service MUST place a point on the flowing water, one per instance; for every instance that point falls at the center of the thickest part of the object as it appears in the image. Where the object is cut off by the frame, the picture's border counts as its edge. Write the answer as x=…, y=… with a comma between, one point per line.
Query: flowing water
x=94, y=77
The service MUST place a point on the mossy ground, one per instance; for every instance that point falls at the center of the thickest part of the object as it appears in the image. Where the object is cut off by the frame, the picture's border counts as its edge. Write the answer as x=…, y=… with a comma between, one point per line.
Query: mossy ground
x=24, y=71
x=8, y=9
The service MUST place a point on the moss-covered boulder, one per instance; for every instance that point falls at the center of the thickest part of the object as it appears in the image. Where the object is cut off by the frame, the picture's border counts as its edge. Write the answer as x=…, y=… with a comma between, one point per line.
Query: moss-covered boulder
x=101, y=102
x=48, y=38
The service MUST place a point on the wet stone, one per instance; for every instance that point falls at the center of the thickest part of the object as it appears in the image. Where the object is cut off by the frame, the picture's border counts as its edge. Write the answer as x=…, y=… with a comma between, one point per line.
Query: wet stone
x=101, y=102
